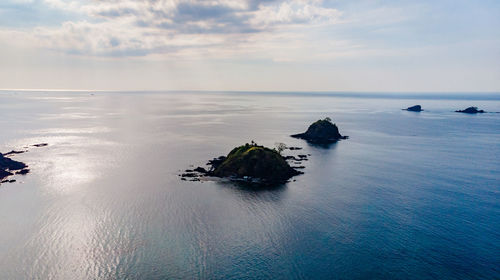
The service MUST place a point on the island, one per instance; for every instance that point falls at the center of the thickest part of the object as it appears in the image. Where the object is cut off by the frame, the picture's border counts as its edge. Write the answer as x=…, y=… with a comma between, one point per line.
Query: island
x=471, y=110
x=416, y=108
x=250, y=163
x=9, y=166
x=321, y=132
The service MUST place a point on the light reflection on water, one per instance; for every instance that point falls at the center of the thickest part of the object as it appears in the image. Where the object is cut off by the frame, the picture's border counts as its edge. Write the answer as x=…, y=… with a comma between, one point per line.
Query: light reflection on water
x=406, y=196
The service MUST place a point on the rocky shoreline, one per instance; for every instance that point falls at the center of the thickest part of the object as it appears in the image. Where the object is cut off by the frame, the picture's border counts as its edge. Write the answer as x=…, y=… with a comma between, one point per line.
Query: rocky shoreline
x=10, y=167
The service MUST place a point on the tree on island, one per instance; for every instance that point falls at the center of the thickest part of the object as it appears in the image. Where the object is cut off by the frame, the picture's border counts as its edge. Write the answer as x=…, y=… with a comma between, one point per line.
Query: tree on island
x=280, y=147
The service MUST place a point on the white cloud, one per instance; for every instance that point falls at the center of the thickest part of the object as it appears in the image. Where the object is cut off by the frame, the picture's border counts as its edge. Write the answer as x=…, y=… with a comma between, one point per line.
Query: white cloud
x=139, y=28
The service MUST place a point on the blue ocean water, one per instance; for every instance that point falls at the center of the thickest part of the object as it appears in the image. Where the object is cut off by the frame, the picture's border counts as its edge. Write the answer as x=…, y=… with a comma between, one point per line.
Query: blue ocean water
x=407, y=196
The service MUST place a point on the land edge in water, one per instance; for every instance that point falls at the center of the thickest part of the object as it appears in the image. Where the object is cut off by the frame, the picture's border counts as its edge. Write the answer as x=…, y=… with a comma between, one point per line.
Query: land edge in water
x=252, y=164
x=10, y=167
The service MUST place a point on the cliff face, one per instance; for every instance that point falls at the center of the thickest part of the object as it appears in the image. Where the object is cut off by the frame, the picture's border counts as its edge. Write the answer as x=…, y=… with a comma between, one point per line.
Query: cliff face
x=255, y=162
x=321, y=131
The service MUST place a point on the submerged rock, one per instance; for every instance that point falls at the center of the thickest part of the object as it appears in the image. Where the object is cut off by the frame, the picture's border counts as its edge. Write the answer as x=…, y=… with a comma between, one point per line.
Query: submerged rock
x=471, y=110
x=416, y=108
x=321, y=131
x=256, y=163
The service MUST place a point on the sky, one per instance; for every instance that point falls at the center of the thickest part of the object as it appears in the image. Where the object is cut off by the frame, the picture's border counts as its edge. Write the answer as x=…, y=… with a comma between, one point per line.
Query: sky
x=251, y=45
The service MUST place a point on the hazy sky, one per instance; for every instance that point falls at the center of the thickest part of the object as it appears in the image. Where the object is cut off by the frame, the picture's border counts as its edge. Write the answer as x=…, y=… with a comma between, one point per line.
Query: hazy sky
x=296, y=45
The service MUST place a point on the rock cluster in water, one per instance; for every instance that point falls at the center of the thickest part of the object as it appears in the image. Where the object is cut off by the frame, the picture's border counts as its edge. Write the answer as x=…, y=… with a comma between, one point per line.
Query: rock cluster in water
x=416, y=108
x=321, y=132
x=471, y=110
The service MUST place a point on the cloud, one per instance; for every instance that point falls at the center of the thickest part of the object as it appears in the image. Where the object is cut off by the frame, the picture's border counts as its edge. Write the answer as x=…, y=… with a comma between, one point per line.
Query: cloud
x=140, y=28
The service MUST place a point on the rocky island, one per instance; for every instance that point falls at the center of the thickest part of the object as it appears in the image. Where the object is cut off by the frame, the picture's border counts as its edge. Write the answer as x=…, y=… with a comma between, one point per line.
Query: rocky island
x=10, y=167
x=248, y=163
x=321, y=132
x=471, y=110
x=416, y=108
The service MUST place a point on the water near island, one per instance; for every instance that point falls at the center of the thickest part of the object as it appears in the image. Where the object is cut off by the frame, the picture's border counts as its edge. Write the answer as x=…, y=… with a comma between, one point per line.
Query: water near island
x=407, y=196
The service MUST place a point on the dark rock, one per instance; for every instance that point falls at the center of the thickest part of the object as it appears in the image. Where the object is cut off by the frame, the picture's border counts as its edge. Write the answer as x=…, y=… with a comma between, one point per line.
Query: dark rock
x=299, y=158
x=13, y=152
x=322, y=131
x=200, y=169
x=216, y=162
x=298, y=167
x=23, y=171
x=294, y=148
x=471, y=110
x=8, y=181
x=251, y=161
x=190, y=175
x=188, y=170
x=416, y=108
x=7, y=165
x=4, y=173
x=40, y=145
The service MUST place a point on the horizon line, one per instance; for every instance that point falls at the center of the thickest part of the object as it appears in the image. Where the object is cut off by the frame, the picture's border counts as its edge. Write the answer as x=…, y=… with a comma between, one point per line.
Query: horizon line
x=248, y=91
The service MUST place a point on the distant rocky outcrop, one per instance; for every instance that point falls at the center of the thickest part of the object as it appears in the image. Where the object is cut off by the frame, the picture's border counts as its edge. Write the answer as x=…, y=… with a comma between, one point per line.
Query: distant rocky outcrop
x=471, y=110
x=7, y=166
x=322, y=132
x=416, y=108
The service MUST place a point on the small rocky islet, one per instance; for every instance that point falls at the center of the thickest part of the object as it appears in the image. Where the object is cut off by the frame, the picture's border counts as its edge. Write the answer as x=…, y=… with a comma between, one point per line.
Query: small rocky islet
x=415, y=108
x=471, y=110
x=251, y=163
x=321, y=132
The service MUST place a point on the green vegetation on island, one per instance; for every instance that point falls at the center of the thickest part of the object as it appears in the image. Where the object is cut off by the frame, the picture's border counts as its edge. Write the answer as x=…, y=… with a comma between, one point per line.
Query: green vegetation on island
x=250, y=163
x=256, y=162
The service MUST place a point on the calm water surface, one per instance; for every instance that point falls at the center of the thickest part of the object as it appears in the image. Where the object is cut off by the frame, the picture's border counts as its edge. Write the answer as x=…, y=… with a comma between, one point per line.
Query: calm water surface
x=407, y=196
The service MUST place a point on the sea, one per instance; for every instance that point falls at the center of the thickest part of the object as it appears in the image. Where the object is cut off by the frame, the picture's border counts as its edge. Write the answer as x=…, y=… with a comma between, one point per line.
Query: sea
x=408, y=196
